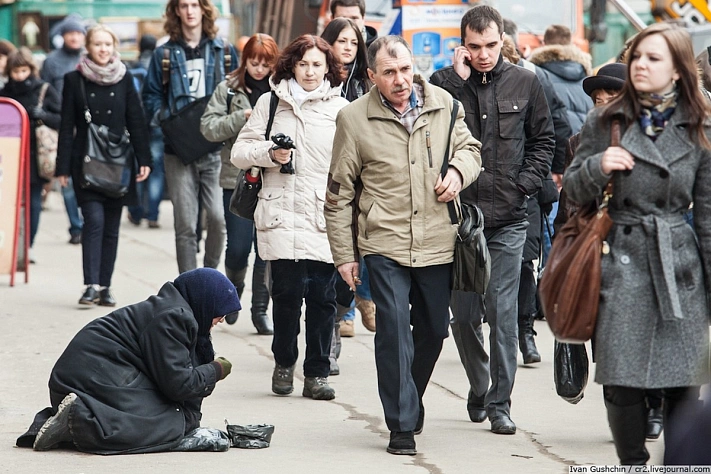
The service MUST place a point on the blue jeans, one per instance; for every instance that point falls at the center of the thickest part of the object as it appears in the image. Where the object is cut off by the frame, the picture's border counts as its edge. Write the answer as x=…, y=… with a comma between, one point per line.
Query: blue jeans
x=99, y=242
x=148, y=202
x=547, y=236
x=500, y=304
x=240, y=238
x=70, y=203
x=190, y=184
x=363, y=290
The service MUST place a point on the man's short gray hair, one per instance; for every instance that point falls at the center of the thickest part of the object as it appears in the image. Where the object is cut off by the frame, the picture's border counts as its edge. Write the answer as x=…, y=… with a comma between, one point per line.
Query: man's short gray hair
x=388, y=42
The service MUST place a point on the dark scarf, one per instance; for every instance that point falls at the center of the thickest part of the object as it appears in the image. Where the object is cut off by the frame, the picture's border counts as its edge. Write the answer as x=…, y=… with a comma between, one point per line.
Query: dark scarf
x=257, y=88
x=18, y=90
x=210, y=295
x=656, y=111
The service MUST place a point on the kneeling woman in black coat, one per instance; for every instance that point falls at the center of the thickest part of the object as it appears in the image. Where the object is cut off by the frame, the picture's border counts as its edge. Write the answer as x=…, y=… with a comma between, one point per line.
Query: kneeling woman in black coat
x=102, y=84
x=134, y=380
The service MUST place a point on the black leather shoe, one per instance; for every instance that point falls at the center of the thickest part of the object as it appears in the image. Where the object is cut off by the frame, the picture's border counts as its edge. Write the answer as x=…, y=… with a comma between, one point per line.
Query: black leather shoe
x=420, y=420
x=475, y=408
x=526, y=341
x=106, y=298
x=402, y=442
x=90, y=296
x=655, y=423
x=263, y=324
x=502, y=424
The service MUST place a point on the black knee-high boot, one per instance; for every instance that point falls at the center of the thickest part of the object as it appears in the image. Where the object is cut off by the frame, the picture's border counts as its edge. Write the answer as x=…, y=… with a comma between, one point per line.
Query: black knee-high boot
x=260, y=302
x=628, y=424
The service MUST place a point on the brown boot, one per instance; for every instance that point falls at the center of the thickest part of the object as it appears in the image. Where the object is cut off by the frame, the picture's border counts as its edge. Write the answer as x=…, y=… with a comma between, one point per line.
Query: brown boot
x=367, y=312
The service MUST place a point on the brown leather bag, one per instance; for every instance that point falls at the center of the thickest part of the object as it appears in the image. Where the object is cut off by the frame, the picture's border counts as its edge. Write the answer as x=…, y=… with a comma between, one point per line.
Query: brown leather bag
x=570, y=286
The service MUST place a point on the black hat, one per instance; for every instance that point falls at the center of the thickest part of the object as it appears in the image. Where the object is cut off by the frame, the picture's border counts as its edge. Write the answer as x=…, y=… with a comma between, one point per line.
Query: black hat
x=610, y=76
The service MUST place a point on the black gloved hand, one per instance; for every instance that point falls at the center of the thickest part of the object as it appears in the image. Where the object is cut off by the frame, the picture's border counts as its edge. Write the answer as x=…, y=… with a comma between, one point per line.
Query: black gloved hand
x=37, y=113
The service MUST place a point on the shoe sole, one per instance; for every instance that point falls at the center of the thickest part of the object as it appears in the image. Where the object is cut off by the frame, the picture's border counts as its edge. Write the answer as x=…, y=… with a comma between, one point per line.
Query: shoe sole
x=41, y=444
x=326, y=396
x=111, y=305
x=405, y=452
x=283, y=391
x=532, y=360
x=89, y=302
x=504, y=431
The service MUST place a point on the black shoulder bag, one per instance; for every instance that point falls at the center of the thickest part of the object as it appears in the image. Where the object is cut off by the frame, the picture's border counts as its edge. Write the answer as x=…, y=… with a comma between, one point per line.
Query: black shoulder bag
x=181, y=128
x=472, y=263
x=108, y=159
x=243, y=202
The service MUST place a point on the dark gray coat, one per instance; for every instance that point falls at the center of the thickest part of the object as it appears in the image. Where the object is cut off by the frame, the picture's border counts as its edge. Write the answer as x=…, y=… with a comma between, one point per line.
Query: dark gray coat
x=136, y=374
x=653, y=324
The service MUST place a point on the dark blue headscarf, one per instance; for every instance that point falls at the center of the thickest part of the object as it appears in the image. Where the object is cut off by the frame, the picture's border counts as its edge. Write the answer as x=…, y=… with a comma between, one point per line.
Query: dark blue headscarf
x=210, y=295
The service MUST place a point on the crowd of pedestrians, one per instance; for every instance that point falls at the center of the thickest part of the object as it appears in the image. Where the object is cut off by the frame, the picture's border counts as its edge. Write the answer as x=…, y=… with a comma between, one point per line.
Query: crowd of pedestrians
x=355, y=212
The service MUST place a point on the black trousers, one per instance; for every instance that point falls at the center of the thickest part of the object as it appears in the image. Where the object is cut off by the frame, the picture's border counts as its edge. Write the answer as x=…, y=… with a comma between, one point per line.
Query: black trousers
x=292, y=283
x=405, y=357
x=99, y=240
x=674, y=400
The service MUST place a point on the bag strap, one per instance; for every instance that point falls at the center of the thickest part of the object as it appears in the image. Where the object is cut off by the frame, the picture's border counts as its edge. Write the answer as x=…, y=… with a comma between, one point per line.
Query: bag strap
x=42, y=94
x=273, y=103
x=87, y=114
x=445, y=161
x=165, y=66
x=614, y=141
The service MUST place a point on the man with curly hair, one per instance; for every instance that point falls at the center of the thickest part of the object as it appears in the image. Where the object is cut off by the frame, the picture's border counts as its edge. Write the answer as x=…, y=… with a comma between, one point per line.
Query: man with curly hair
x=195, y=64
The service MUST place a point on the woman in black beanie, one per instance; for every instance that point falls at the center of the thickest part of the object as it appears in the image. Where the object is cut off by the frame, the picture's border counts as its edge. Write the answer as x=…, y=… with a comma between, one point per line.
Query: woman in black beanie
x=133, y=381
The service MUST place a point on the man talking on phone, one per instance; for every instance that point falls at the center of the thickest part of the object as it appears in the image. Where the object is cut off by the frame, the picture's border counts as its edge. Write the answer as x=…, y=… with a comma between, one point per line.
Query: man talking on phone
x=506, y=111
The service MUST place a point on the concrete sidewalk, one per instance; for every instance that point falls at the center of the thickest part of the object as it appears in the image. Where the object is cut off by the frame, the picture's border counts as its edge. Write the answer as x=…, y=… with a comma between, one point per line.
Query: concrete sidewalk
x=347, y=434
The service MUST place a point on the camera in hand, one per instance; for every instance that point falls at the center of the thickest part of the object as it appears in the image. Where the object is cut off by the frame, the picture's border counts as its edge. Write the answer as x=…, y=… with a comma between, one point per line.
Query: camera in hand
x=284, y=142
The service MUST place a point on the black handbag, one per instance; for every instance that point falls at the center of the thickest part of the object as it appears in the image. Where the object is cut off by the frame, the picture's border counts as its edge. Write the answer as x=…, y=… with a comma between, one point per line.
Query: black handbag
x=471, y=269
x=108, y=159
x=244, y=198
x=181, y=130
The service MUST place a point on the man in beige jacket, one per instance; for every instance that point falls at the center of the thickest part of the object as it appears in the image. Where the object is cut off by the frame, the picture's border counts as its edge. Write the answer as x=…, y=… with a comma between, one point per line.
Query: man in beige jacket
x=387, y=201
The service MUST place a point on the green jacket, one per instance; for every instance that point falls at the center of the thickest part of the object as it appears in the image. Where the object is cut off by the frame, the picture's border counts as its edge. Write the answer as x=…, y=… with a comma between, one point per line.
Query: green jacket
x=219, y=125
x=397, y=213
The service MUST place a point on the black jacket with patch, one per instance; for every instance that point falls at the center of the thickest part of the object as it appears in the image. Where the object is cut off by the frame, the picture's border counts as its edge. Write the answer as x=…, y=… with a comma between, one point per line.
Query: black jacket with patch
x=506, y=111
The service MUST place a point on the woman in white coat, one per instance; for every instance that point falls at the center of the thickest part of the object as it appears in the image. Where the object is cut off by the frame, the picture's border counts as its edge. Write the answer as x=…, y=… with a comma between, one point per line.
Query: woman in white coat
x=291, y=229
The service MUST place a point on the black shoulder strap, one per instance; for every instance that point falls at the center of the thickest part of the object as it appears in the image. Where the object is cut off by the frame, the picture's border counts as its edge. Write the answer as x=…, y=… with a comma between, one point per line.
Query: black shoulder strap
x=445, y=161
x=230, y=96
x=273, y=103
x=87, y=114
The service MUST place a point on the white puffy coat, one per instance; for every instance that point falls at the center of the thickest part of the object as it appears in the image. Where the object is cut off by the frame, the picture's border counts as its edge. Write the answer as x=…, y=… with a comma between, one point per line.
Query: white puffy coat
x=289, y=217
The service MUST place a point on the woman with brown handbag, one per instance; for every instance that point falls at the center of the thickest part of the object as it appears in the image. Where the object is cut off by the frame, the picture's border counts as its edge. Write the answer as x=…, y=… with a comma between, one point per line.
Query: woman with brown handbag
x=652, y=327
x=102, y=91
x=41, y=101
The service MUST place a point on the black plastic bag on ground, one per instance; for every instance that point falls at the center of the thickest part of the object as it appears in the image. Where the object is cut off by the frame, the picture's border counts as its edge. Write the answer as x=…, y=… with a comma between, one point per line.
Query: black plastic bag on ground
x=250, y=436
x=570, y=371
x=204, y=439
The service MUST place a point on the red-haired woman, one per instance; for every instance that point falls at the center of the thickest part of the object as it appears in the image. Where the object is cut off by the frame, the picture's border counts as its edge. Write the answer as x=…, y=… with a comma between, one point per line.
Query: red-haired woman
x=226, y=113
x=291, y=228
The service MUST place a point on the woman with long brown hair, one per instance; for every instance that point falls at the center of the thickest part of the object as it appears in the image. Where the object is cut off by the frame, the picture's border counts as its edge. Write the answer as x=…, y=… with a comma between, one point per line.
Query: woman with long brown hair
x=291, y=228
x=228, y=110
x=652, y=327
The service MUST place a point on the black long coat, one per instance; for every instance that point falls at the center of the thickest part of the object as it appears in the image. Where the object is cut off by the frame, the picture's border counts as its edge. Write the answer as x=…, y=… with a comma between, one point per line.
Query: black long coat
x=136, y=375
x=118, y=107
x=27, y=94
